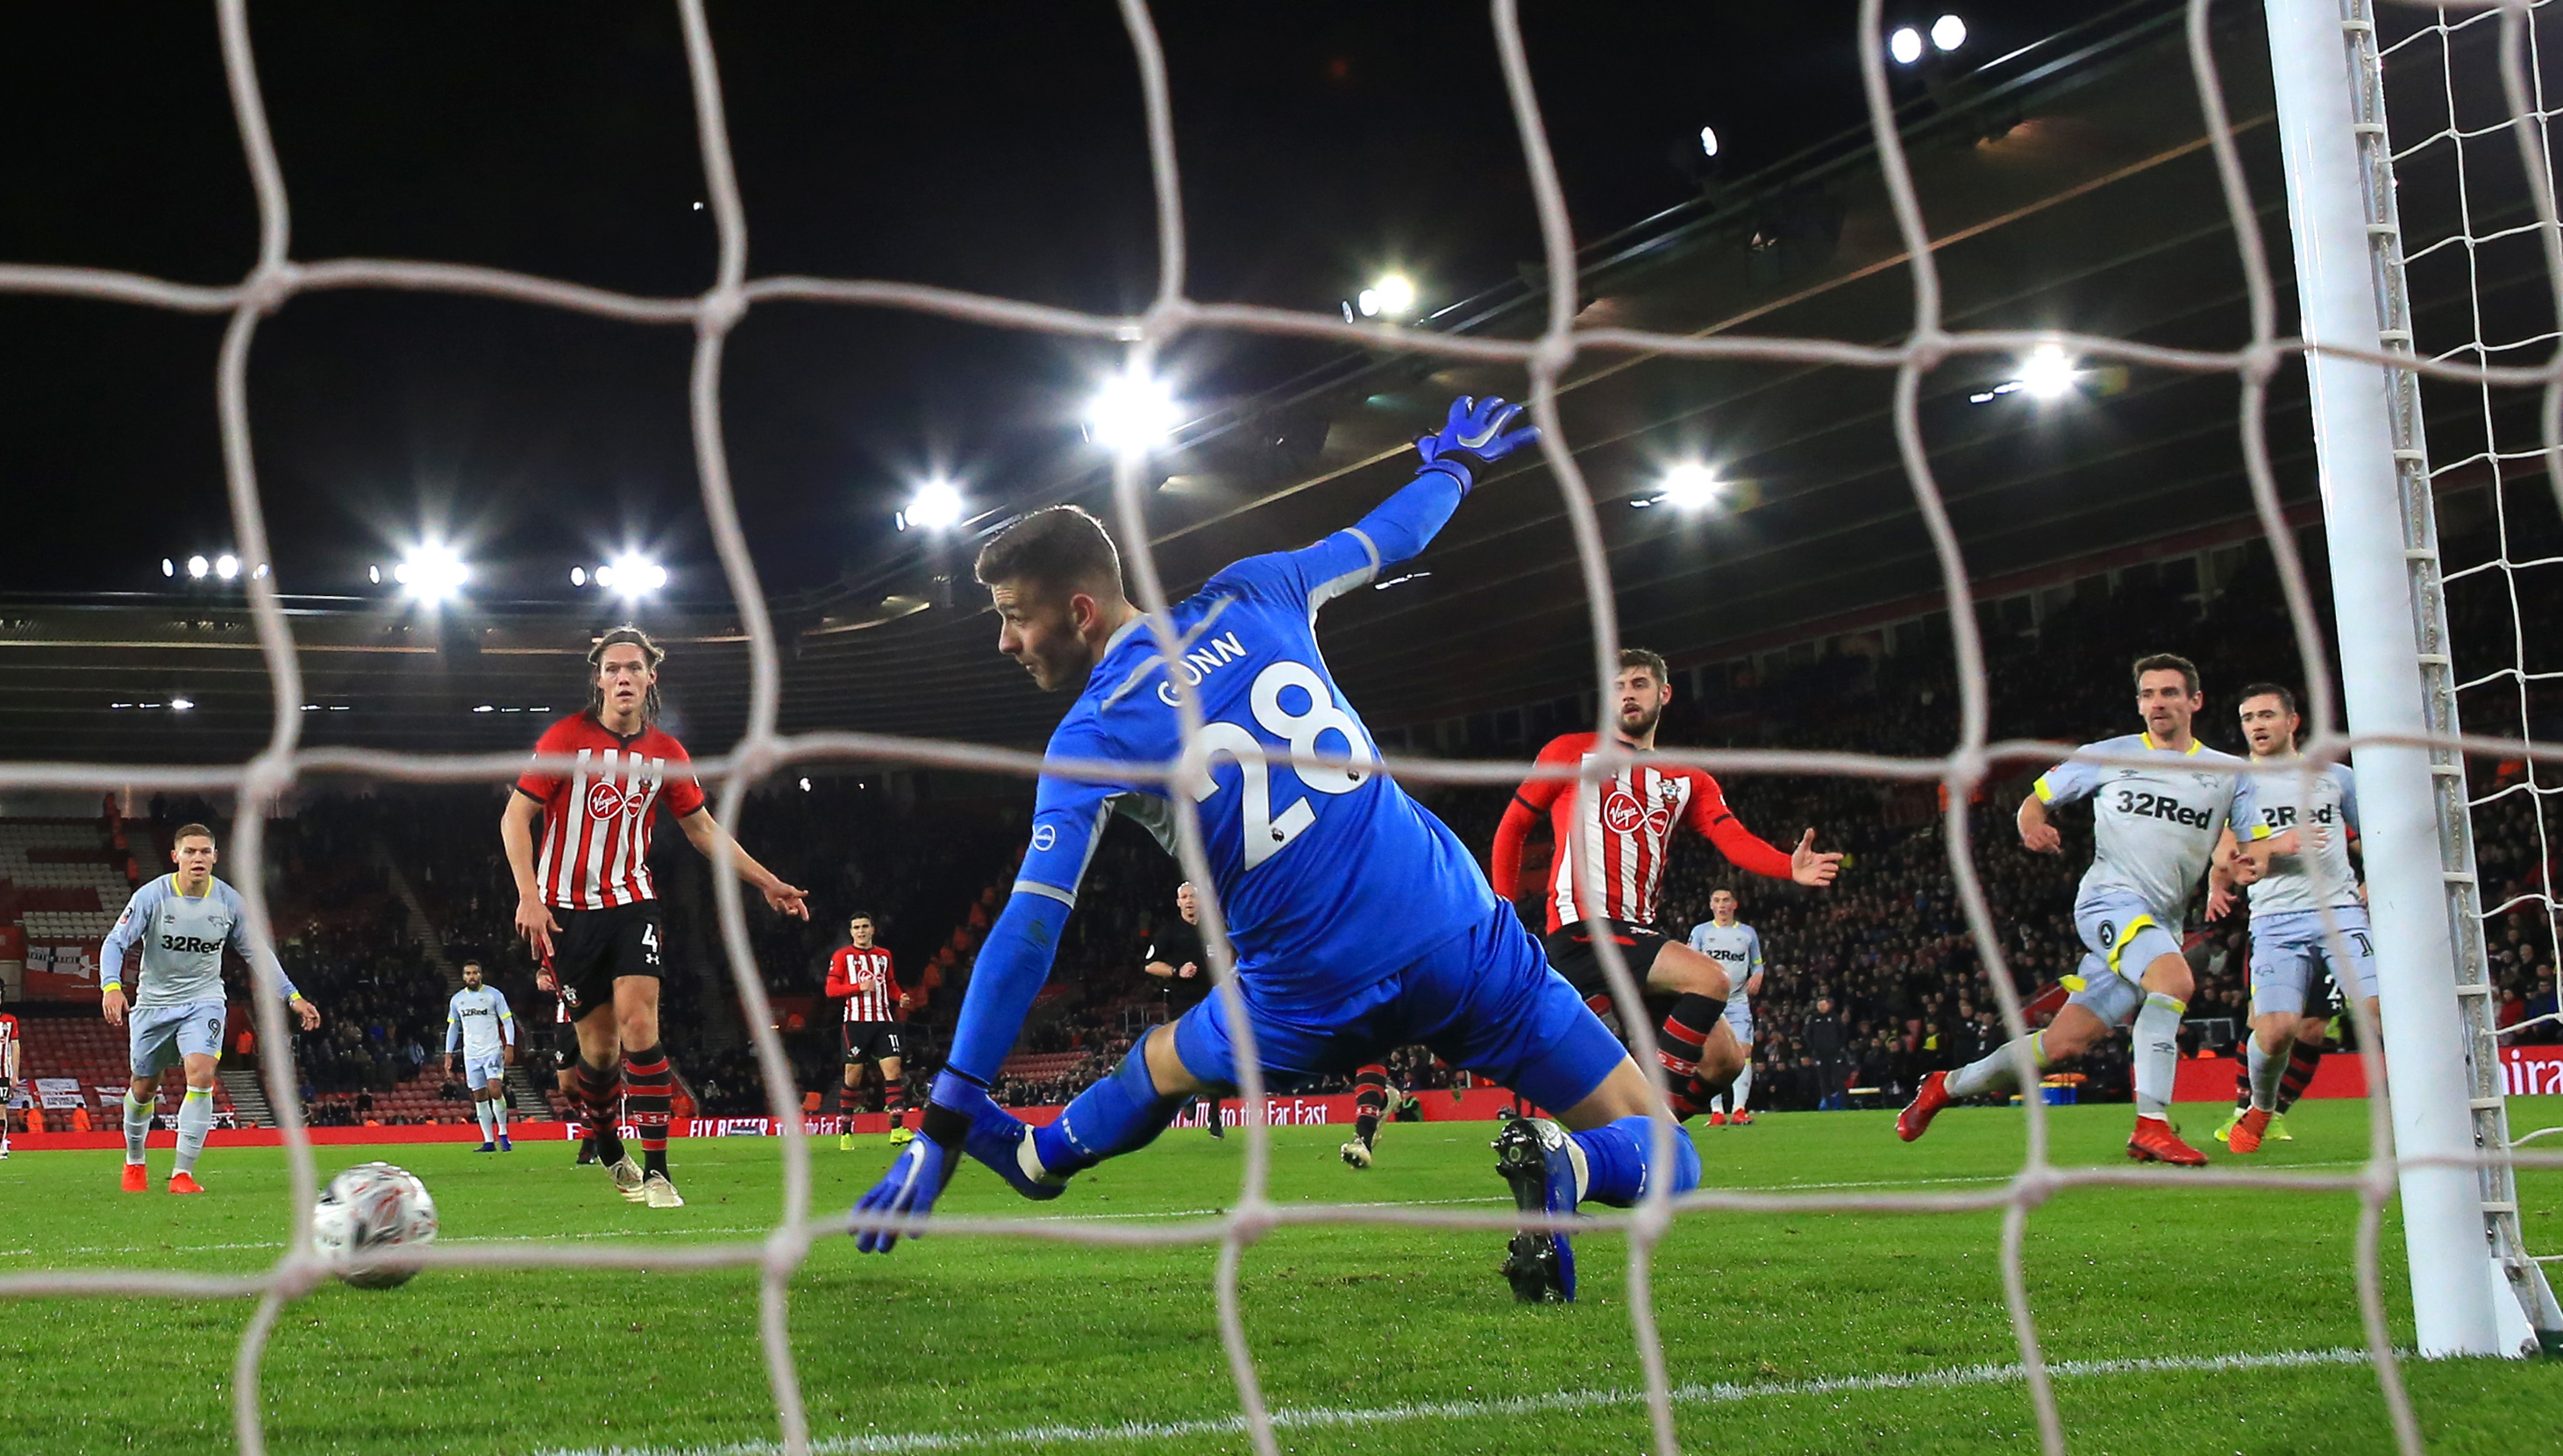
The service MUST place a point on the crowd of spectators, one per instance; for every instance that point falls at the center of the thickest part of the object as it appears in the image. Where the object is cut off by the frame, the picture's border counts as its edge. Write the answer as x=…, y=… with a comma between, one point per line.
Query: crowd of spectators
x=1871, y=983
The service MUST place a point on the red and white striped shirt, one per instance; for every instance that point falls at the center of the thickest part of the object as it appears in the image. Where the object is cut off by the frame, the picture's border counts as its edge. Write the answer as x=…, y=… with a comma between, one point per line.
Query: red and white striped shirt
x=1609, y=857
x=596, y=818
x=864, y=979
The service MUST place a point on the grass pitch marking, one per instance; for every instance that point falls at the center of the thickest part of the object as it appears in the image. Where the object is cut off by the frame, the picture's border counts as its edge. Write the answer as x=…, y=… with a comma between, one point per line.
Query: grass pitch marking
x=1313, y=1418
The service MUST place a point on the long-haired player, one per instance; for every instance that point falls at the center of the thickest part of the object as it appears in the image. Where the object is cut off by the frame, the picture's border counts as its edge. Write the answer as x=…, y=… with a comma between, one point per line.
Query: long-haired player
x=586, y=901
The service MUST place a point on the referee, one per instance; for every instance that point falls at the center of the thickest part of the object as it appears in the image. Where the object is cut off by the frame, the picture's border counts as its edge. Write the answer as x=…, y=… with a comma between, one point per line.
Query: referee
x=1175, y=957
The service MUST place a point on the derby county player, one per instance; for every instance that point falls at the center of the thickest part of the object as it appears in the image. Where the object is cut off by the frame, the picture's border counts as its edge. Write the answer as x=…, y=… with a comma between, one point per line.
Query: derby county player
x=1176, y=958
x=480, y=1025
x=565, y=1058
x=1609, y=859
x=183, y=922
x=1360, y=923
x=1738, y=948
x=587, y=902
x=2157, y=829
x=859, y=975
x=2304, y=857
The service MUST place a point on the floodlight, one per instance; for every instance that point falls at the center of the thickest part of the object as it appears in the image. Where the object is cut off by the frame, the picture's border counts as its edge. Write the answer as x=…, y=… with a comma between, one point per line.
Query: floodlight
x=168, y=568
x=937, y=506
x=1709, y=141
x=1690, y=486
x=432, y=573
x=1367, y=300
x=197, y=566
x=486, y=708
x=374, y=574
x=1132, y=413
x=227, y=566
x=1948, y=33
x=1392, y=297
x=2047, y=373
x=1906, y=46
x=630, y=576
x=180, y=705
x=805, y=785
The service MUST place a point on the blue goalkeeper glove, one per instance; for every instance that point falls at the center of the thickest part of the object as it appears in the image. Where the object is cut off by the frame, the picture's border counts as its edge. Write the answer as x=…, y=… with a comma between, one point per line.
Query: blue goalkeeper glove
x=1473, y=438
x=960, y=1117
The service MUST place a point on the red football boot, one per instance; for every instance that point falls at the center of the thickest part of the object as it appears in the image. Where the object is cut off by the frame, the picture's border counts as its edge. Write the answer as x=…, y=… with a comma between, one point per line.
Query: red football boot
x=184, y=1182
x=1916, y=1117
x=1740, y=1120
x=136, y=1180
x=1717, y=1119
x=2153, y=1141
x=2246, y=1134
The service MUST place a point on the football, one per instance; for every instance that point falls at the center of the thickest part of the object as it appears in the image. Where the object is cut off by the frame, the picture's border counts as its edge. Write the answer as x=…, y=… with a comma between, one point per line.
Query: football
x=371, y=1210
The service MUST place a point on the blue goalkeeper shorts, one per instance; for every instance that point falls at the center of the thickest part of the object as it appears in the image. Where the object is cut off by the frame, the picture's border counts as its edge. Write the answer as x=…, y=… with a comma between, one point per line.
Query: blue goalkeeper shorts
x=1484, y=1000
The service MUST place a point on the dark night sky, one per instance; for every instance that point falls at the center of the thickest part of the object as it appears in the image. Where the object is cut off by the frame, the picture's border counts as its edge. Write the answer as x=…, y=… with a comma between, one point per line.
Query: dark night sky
x=990, y=147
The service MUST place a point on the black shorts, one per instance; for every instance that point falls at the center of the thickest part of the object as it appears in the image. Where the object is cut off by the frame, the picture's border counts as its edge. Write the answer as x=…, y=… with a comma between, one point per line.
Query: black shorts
x=596, y=947
x=1571, y=954
x=566, y=1045
x=871, y=1041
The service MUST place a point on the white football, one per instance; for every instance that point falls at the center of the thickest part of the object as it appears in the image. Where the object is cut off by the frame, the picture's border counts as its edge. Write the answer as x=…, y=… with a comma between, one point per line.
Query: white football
x=371, y=1210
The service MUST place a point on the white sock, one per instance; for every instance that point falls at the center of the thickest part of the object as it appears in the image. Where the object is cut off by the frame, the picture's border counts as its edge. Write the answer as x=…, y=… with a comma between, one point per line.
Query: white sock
x=137, y=1125
x=195, y=1119
x=497, y=1115
x=2269, y=1069
x=480, y=1114
x=2157, y=1052
x=1742, y=1089
x=1993, y=1072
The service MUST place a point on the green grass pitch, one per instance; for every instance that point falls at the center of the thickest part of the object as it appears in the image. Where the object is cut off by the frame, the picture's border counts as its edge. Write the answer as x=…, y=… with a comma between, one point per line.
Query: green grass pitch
x=1789, y=1329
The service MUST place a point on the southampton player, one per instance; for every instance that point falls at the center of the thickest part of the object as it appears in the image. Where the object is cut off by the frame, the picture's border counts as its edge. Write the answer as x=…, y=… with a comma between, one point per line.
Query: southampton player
x=2303, y=855
x=1738, y=948
x=480, y=1025
x=183, y=922
x=1370, y=1101
x=1176, y=958
x=859, y=975
x=1608, y=850
x=1360, y=923
x=588, y=905
x=565, y=1058
x=2157, y=829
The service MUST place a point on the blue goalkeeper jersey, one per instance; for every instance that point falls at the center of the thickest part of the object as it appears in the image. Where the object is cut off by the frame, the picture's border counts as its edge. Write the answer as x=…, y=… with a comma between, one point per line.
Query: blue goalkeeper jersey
x=1331, y=876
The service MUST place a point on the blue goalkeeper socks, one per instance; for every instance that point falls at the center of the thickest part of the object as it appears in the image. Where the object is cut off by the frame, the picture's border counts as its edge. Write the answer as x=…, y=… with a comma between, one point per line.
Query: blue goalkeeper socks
x=1614, y=1160
x=1121, y=1114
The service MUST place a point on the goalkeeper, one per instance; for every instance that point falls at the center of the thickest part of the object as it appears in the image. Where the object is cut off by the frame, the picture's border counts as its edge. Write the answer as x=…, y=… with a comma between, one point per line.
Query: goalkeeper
x=1361, y=922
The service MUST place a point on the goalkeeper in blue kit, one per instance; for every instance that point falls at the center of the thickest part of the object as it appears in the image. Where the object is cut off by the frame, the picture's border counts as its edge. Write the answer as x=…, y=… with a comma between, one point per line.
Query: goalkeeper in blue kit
x=1361, y=922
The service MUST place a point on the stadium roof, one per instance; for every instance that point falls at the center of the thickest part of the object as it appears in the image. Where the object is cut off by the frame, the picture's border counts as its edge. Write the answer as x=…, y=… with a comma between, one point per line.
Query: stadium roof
x=2069, y=186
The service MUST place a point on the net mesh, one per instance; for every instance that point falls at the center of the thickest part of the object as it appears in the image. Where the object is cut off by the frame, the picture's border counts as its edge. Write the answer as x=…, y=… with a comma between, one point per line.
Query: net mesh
x=2517, y=443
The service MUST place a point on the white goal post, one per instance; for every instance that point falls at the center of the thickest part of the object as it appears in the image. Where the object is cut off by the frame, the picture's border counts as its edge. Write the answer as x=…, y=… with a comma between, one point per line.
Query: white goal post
x=2475, y=1290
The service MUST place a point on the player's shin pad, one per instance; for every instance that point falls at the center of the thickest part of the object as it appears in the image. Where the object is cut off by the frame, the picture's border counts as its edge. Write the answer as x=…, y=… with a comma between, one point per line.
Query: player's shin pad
x=1994, y=1072
x=1121, y=1114
x=137, y=1125
x=597, y=1088
x=195, y=1120
x=1616, y=1159
x=2265, y=1072
x=1370, y=1099
x=2302, y=1064
x=650, y=1088
x=959, y=1113
x=2157, y=1052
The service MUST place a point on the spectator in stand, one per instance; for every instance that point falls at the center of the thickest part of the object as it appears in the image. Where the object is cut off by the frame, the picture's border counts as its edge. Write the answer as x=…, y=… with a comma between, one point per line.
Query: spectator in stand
x=1824, y=1038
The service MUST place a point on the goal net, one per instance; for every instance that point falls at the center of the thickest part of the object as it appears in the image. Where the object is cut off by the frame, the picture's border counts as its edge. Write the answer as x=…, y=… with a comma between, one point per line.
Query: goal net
x=2468, y=87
